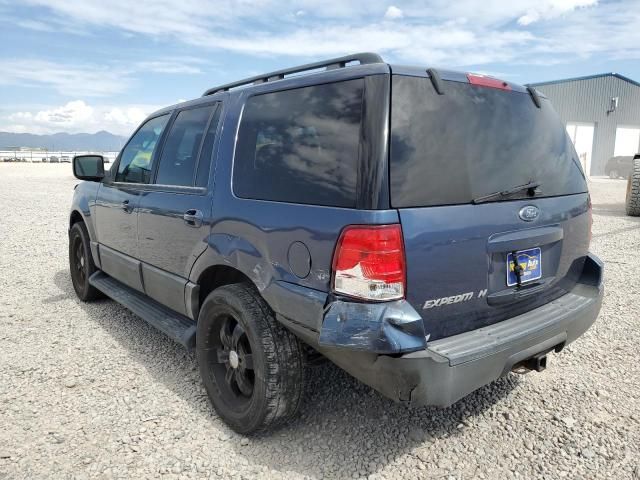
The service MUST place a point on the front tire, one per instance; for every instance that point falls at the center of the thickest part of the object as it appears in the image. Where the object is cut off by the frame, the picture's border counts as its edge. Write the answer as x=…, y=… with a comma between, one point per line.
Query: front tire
x=633, y=190
x=81, y=264
x=251, y=366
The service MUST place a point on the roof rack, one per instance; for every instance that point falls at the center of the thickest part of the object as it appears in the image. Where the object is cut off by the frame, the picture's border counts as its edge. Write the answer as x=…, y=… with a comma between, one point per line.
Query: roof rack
x=331, y=64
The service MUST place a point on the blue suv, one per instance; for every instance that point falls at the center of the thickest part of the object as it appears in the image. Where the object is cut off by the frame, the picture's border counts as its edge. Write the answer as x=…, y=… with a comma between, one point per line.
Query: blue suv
x=426, y=230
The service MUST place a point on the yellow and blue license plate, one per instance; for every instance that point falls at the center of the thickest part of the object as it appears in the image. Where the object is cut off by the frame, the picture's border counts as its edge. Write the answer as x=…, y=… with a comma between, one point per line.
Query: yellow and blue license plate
x=531, y=263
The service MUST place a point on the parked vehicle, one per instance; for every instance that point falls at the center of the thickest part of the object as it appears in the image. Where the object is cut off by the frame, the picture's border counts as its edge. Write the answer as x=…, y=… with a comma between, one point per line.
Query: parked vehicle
x=65, y=159
x=426, y=230
x=54, y=159
x=633, y=188
x=618, y=167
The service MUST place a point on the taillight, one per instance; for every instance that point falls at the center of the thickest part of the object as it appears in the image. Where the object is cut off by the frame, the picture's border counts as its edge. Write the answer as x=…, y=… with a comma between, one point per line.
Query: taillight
x=484, y=81
x=369, y=263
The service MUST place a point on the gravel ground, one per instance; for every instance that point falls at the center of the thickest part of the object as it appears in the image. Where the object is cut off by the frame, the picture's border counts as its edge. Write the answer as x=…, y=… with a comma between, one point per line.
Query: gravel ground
x=89, y=390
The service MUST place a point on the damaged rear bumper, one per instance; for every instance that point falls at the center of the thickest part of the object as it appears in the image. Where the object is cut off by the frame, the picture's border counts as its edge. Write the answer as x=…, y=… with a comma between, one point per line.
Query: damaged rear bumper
x=450, y=368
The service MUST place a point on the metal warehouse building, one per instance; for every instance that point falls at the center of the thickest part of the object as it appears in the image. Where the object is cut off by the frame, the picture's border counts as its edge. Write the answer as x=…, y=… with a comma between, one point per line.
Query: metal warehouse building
x=602, y=115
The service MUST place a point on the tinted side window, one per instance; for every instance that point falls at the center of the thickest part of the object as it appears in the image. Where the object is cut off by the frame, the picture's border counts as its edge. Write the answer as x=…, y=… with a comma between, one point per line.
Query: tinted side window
x=301, y=145
x=181, y=149
x=135, y=160
x=206, y=157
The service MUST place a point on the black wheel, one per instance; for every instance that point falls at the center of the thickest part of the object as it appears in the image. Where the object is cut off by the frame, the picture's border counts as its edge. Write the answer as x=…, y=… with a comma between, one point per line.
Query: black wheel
x=81, y=264
x=633, y=190
x=251, y=366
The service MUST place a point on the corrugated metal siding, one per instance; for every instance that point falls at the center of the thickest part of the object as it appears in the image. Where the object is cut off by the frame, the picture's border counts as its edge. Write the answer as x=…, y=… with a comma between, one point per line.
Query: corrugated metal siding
x=588, y=101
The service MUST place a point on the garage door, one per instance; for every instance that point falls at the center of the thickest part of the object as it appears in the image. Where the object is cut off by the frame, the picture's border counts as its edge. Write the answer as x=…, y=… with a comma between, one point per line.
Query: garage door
x=627, y=141
x=581, y=135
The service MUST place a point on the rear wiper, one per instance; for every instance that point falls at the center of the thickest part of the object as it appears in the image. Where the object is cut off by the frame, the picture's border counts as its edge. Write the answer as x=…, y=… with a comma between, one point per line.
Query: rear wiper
x=530, y=187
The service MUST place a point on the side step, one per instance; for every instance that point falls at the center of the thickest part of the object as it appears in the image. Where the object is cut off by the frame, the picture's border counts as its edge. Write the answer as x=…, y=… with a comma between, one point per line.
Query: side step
x=176, y=326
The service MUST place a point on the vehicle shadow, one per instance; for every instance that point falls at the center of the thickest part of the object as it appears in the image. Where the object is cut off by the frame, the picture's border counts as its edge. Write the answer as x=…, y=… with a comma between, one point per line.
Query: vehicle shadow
x=344, y=427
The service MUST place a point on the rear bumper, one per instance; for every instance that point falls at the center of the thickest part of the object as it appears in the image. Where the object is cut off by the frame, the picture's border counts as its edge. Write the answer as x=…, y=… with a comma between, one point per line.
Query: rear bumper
x=451, y=368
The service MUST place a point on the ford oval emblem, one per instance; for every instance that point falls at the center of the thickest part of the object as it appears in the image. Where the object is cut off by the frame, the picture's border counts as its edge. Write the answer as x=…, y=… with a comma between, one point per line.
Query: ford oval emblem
x=529, y=213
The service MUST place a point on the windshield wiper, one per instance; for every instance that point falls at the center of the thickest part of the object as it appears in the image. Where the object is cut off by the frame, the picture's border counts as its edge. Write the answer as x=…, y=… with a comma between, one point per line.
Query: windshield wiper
x=529, y=187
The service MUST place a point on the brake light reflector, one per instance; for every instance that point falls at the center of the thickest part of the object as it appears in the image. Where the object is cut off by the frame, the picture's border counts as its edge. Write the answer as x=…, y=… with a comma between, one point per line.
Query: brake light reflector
x=490, y=82
x=369, y=262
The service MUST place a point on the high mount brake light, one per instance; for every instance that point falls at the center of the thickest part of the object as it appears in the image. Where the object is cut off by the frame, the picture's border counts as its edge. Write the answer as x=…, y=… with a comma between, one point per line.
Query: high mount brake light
x=369, y=262
x=490, y=82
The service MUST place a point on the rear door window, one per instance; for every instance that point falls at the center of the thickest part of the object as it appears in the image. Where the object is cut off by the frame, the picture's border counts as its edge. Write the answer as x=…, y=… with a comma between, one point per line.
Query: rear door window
x=301, y=145
x=206, y=154
x=182, y=147
x=474, y=141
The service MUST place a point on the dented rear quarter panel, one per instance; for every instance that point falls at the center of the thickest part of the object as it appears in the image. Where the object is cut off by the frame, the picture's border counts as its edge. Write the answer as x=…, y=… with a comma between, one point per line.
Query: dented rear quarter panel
x=255, y=236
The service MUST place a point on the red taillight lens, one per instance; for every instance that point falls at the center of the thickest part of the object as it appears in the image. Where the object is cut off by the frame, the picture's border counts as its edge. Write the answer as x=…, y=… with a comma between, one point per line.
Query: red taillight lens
x=369, y=262
x=490, y=82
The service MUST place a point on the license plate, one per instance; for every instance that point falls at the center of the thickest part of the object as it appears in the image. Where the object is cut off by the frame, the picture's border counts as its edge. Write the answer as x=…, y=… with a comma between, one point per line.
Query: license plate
x=531, y=263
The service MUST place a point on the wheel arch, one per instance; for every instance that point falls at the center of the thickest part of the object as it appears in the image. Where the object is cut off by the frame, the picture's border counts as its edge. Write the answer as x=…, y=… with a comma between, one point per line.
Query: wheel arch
x=216, y=276
x=76, y=217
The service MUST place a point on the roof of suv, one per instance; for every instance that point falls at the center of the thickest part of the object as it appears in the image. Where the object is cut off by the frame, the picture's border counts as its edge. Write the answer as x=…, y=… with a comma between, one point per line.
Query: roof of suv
x=355, y=61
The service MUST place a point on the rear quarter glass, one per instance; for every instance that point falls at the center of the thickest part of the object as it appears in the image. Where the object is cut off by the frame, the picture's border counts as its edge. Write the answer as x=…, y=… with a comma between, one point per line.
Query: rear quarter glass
x=301, y=145
x=472, y=141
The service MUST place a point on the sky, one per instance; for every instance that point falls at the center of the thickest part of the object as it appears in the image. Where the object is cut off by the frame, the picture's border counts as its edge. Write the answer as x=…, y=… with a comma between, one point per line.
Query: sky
x=89, y=65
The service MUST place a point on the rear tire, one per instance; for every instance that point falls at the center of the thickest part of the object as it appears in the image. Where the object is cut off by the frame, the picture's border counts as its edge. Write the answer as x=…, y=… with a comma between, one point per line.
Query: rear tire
x=251, y=366
x=633, y=190
x=81, y=264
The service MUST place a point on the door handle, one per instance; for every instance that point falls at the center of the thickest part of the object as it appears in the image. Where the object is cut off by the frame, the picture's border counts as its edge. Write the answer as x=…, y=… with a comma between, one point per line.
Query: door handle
x=126, y=207
x=193, y=217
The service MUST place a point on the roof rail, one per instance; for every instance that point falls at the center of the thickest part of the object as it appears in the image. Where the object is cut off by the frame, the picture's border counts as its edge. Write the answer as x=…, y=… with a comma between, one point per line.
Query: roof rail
x=331, y=64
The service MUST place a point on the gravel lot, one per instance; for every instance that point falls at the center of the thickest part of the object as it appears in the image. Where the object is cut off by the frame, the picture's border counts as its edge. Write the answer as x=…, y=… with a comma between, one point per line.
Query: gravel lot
x=89, y=390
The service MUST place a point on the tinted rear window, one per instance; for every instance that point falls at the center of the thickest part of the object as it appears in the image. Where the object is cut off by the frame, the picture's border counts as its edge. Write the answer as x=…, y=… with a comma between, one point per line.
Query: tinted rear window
x=473, y=141
x=181, y=149
x=301, y=145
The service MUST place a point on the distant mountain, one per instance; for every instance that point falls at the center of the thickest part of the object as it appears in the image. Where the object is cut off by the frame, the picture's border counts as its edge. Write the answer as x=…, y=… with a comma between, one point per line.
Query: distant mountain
x=98, y=142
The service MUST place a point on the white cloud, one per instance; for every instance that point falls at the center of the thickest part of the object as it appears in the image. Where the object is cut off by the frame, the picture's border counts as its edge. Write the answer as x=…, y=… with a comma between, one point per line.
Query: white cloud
x=79, y=80
x=450, y=33
x=547, y=9
x=72, y=113
x=393, y=13
x=89, y=80
x=179, y=66
x=126, y=117
x=77, y=116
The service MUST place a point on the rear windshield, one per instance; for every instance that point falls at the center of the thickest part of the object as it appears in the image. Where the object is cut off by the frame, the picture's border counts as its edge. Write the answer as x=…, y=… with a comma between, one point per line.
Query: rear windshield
x=473, y=141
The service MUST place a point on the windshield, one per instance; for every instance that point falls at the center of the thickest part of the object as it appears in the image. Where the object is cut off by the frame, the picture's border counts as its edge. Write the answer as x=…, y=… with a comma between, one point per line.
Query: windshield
x=474, y=141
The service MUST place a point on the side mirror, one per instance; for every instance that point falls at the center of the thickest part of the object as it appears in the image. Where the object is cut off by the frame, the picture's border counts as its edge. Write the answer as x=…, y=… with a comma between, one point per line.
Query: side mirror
x=89, y=167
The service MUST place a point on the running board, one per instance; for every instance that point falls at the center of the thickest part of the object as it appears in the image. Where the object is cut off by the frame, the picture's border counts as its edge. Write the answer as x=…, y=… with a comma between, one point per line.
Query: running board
x=176, y=326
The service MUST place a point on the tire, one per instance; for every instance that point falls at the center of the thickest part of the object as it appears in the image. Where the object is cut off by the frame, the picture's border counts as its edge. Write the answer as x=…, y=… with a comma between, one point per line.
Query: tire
x=633, y=190
x=251, y=366
x=613, y=174
x=81, y=265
